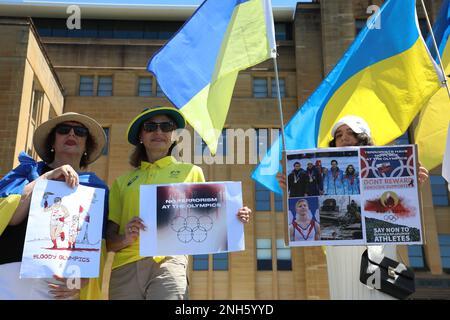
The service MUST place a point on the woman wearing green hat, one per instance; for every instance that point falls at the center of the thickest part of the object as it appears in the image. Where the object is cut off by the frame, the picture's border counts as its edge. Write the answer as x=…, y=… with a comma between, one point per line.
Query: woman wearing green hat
x=148, y=278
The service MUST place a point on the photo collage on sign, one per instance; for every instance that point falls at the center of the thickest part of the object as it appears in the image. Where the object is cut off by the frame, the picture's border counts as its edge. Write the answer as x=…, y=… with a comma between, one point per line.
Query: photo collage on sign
x=324, y=197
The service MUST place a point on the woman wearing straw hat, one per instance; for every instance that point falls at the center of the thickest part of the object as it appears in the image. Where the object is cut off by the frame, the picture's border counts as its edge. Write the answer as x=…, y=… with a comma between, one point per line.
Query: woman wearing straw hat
x=148, y=278
x=67, y=144
x=344, y=261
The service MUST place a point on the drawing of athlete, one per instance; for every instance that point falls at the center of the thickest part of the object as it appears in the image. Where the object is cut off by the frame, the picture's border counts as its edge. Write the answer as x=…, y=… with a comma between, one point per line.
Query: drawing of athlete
x=73, y=231
x=58, y=213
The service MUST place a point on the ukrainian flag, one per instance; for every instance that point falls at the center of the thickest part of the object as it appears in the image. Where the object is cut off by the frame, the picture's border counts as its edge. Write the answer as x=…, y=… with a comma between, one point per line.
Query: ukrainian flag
x=197, y=69
x=385, y=77
x=431, y=131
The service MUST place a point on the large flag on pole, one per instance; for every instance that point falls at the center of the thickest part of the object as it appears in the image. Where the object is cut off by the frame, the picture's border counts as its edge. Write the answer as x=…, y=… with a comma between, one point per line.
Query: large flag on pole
x=431, y=131
x=385, y=77
x=197, y=68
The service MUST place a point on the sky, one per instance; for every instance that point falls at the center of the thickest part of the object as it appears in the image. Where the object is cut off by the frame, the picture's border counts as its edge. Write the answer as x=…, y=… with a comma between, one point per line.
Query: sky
x=275, y=3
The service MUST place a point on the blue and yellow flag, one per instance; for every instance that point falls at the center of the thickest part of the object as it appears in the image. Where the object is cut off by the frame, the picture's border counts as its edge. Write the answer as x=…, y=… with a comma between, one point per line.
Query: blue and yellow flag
x=197, y=69
x=385, y=77
x=431, y=131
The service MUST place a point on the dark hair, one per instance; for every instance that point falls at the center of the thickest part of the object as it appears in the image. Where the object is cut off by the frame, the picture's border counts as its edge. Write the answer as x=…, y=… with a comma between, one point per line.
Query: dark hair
x=363, y=140
x=334, y=161
x=50, y=156
x=139, y=154
x=348, y=173
x=297, y=163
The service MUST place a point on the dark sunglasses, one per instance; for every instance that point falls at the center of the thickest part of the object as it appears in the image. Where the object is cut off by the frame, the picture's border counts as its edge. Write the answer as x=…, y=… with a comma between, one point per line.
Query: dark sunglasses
x=164, y=126
x=78, y=130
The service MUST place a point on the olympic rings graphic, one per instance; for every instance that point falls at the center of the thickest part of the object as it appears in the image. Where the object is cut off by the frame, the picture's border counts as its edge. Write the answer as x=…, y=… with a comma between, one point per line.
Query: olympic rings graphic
x=390, y=217
x=191, y=228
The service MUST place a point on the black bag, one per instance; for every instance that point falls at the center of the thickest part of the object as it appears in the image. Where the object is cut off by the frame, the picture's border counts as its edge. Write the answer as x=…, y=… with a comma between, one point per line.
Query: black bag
x=395, y=278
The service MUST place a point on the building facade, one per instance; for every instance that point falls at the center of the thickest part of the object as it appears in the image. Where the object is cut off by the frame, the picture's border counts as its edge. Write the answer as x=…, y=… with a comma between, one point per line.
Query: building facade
x=100, y=70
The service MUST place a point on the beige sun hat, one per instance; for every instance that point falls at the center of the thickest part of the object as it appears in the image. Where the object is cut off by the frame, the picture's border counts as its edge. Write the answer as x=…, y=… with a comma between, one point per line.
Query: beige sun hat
x=95, y=131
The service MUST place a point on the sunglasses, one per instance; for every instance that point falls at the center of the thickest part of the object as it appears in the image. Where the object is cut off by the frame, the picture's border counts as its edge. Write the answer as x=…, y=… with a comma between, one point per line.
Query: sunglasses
x=164, y=126
x=78, y=130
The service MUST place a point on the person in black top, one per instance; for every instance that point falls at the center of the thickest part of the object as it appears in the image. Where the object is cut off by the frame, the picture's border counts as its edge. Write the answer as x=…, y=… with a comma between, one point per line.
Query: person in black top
x=297, y=181
x=314, y=184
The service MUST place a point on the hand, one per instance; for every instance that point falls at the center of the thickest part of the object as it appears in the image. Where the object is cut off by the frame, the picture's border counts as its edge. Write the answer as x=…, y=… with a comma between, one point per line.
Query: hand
x=281, y=178
x=244, y=214
x=132, y=229
x=64, y=173
x=423, y=174
x=61, y=291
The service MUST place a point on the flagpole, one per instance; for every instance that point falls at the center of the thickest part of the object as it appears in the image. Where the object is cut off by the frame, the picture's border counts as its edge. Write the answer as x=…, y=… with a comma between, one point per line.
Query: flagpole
x=280, y=108
x=430, y=28
x=283, y=141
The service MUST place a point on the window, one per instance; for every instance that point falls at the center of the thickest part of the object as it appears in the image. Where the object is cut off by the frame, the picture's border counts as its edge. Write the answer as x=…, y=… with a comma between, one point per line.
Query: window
x=93, y=28
x=86, y=86
x=361, y=23
x=262, y=195
x=128, y=30
x=444, y=245
x=416, y=257
x=264, y=254
x=439, y=190
x=88, y=30
x=200, y=262
x=145, y=87
x=106, y=147
x=283, y=30
x=221, y=146
x=278, y=202
x=280, y=31
x=262, y=199
x=37, y=101
x=159, y=92
x=282, y=88
x=262, y=143
x=104, y=88
x=284, y=261
x=105, y=31
x=260, y=88
x=220, y=261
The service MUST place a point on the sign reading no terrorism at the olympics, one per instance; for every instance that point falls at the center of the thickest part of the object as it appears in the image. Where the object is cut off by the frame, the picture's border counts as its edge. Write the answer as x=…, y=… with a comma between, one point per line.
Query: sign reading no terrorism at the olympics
x=191, y=218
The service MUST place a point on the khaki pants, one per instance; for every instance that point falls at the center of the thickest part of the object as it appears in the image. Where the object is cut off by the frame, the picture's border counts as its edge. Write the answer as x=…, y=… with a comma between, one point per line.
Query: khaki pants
x=148, y=280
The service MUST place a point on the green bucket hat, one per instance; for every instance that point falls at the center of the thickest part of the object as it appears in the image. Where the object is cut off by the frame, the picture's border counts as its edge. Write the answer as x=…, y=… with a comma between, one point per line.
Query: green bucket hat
x=147, y=113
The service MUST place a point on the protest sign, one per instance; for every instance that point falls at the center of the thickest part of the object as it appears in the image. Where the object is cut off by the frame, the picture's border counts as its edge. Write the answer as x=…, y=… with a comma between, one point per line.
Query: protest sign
x=191, y=218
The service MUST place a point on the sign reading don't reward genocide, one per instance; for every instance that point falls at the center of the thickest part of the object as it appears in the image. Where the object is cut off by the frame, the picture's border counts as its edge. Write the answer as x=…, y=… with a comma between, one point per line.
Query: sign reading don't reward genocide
x=390, y=195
